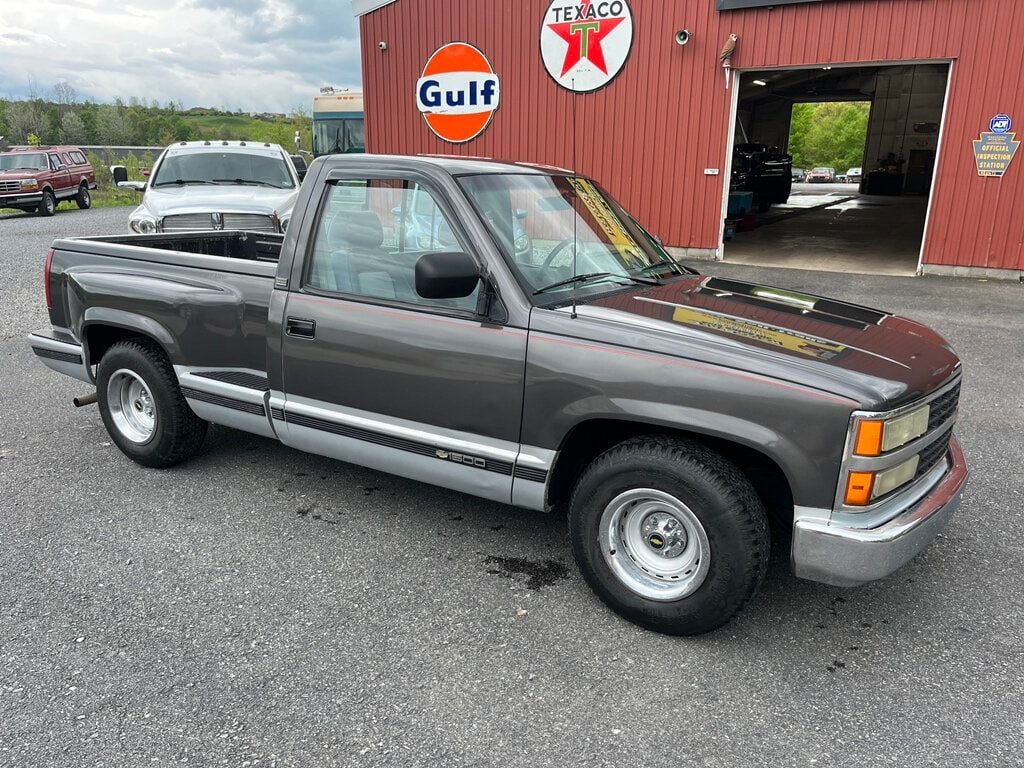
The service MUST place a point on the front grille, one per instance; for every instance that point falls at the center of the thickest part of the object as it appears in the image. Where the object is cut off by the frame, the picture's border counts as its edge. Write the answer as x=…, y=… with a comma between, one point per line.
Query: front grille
x=250, y=222
x=182, y=222
x=10, y=186
x=931, y=455
x=943, y=407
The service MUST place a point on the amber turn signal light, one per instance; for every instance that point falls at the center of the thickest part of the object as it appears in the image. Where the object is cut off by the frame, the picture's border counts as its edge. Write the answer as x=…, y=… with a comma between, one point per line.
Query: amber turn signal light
x=858, y=488
x=869, y=438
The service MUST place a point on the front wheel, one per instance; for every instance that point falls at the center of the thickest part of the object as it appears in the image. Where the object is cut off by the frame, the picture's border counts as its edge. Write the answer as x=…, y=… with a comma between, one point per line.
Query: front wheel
x=669, y=534
x=48, y=204
x=142, y=406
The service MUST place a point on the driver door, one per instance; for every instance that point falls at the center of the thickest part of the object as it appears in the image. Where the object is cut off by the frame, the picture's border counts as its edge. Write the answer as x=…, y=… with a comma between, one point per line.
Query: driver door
x=376, y=375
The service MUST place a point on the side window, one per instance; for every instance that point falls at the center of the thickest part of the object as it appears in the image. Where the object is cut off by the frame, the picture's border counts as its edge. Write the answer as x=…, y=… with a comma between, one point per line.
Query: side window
x=55, y=162
x=370, y=235
x=65, y=159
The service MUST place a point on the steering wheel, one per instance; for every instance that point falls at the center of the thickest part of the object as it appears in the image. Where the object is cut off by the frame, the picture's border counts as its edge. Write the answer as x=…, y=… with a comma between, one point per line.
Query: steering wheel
x=558, y=249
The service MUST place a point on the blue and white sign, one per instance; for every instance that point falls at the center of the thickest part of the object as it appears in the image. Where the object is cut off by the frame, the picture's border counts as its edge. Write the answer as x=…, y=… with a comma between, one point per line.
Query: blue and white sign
x=1000, y=124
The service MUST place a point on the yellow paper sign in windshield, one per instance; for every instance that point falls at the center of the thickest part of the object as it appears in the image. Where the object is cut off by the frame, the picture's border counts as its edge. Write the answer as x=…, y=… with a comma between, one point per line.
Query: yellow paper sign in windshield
x=632, y=254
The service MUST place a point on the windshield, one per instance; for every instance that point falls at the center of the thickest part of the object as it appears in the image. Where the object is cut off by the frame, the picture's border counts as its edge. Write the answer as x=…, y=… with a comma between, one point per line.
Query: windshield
x=225, y=167
x=33, y=161
x=537, y=219
x=332, y=137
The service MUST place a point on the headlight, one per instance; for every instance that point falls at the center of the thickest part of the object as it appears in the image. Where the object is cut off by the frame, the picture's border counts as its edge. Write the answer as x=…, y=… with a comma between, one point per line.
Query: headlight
x=144, y=225
x=29, y=183
x=875, y=437
x=864, y=487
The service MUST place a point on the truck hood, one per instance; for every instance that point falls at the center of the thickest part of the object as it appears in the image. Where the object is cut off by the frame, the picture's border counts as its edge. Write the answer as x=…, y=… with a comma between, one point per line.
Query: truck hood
x=22, y=173
x=874, y=357
x=166, y=201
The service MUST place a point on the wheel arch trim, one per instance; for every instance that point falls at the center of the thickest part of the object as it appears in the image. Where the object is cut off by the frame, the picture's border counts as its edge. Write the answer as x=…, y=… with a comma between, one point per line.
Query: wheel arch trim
x=700, y=425
x=97, y=317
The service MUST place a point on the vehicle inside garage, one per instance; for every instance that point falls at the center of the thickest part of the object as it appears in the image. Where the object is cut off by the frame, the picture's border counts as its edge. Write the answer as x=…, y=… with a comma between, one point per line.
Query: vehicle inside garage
x=871, y=222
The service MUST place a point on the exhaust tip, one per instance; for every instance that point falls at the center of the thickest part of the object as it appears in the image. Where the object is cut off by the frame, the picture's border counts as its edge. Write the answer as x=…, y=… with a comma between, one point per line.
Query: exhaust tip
x=84, y=400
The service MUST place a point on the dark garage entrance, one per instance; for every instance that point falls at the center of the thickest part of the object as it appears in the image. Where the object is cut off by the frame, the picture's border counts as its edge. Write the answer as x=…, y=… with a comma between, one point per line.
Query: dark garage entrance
x=873, y=225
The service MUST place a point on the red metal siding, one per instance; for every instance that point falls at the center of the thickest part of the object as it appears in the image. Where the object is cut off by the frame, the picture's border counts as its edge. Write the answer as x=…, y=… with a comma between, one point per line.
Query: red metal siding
x=649, y=135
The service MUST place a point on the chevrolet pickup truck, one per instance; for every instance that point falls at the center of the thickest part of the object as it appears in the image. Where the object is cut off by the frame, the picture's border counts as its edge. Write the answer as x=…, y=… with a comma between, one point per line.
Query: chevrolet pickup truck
x=671, y=416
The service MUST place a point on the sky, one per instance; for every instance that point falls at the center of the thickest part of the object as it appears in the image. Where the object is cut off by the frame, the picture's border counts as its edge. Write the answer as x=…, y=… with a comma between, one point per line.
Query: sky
x=253, y=55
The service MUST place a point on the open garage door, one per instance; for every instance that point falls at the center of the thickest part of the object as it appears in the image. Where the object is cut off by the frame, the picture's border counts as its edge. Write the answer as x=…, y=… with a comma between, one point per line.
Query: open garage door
x=863, y=210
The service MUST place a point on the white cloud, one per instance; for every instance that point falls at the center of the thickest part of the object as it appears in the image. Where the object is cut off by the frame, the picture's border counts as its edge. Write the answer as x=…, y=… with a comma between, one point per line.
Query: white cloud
x=262, y=55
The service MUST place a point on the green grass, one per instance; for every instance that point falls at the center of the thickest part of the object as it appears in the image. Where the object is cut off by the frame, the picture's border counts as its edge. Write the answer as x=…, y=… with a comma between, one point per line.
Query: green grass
x=114, y=198
x=234, y=127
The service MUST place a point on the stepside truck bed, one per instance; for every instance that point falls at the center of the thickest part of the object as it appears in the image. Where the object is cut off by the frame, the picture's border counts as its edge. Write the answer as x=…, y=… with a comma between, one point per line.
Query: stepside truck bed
x=204, y=296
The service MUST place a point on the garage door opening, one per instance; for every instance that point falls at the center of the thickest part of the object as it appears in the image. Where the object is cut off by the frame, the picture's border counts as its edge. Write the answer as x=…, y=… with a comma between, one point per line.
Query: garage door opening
x=859, y=145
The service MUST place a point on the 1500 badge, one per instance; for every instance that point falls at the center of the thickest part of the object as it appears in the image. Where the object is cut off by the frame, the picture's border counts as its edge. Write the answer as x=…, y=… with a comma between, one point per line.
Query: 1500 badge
x=461, y=458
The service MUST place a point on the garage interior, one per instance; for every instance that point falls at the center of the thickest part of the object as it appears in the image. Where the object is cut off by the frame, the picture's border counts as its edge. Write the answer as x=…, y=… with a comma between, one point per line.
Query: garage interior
x=876, y=227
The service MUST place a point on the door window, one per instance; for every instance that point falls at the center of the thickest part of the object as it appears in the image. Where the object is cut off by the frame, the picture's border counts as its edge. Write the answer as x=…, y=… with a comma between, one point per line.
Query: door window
x=371, y=233
x=55, y=162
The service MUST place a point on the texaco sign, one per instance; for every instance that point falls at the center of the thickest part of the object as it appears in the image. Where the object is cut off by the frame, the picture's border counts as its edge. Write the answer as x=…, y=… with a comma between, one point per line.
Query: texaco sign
x=585, y=44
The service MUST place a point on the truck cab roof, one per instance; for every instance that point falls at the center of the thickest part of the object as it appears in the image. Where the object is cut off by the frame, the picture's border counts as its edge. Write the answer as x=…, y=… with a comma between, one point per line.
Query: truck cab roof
x=456, y=165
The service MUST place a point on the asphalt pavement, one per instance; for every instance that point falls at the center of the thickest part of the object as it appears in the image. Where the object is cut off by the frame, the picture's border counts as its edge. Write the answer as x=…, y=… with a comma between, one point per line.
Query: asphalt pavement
x=261, y=606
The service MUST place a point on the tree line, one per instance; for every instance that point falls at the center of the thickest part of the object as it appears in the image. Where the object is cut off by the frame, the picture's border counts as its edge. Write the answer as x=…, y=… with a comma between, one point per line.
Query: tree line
x=63, y=118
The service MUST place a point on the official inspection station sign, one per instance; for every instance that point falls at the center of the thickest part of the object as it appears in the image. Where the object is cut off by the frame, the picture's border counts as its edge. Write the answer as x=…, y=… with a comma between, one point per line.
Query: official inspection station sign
x=995, y=150
x=585, y=44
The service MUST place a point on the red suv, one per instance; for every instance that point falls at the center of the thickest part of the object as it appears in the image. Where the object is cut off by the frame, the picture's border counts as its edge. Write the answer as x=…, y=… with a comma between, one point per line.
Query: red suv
x=38, y=178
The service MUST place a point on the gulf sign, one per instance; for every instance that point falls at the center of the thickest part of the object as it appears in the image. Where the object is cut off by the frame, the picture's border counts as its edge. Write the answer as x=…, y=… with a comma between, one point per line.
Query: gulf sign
x=458, y=92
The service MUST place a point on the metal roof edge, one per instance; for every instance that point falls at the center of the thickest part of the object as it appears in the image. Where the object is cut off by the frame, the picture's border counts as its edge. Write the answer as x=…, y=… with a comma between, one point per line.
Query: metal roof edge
x=363, y=7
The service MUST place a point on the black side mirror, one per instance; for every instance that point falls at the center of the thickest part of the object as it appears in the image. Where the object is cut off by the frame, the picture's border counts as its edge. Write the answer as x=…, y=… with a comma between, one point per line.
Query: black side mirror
x=446, y=275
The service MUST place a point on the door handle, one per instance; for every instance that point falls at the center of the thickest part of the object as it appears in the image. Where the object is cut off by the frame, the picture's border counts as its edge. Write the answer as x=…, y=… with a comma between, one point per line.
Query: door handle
x=300, y=327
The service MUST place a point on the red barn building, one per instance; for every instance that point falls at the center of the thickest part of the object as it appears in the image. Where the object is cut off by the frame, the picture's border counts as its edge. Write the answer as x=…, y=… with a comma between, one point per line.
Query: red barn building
x=618, y=91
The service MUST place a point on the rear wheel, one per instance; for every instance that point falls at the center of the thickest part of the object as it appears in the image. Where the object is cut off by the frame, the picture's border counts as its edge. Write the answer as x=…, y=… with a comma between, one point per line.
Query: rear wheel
x=142, y=406
x=83, y=198
x=669, y=534
x=48, y=204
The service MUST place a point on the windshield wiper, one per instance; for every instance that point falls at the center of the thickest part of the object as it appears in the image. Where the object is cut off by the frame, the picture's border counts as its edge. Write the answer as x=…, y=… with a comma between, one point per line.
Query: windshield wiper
x=181, y=182
x=667, y=263
x=243, y=182
x=585, y=278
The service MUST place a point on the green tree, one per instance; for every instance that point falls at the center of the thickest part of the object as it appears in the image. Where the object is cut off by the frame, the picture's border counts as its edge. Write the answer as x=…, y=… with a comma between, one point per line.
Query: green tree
x=24, y=118
x=830, y=134
x=72, y=131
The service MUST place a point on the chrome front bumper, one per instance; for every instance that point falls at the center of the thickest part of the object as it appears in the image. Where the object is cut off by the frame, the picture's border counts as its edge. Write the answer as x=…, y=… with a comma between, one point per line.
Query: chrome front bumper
x=847, y=556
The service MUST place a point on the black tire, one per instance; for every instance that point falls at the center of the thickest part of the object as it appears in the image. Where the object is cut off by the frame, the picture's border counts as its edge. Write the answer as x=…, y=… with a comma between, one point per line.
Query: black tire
x=48, y=204
x=83, y=199
x=177, y=432
x=718, y=495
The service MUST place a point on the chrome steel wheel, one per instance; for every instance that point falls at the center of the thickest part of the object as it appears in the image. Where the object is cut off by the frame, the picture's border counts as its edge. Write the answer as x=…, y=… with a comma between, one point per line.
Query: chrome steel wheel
x=131, y=406
x=654, y=544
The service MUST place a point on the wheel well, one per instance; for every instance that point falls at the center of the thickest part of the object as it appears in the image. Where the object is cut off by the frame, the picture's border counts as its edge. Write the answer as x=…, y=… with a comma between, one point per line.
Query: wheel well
x=592, y=438
x=100, y=338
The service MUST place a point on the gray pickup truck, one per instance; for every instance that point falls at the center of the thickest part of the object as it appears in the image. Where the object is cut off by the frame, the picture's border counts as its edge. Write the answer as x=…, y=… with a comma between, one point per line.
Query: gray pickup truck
x=675, y=418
